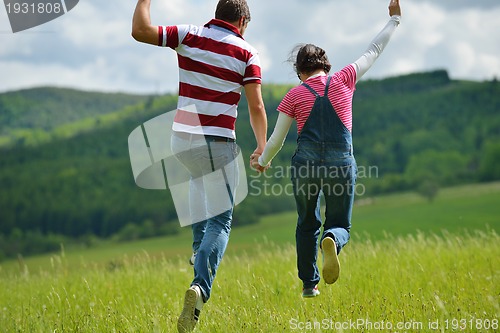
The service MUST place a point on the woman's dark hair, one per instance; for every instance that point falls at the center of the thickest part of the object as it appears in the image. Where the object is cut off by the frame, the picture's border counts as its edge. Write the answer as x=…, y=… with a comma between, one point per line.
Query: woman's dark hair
x=308, y=58
x=232, y=10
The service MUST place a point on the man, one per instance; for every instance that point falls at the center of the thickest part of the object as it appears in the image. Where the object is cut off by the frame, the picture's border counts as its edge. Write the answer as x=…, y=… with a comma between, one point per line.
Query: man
x=215, y=64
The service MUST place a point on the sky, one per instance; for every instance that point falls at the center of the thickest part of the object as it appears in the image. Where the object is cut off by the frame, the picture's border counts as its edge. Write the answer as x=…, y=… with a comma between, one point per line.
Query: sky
x=90, y=47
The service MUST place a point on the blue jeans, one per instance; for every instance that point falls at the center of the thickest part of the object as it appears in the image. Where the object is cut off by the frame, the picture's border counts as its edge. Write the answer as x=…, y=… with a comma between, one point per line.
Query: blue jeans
x=334, y=176
x=210, y=236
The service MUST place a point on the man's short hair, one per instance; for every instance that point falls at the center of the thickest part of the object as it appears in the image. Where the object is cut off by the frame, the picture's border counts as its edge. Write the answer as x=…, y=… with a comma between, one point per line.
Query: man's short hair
x=232, y=10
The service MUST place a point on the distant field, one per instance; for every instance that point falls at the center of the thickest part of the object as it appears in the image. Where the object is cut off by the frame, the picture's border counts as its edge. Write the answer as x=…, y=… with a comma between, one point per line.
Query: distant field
x=458, y=210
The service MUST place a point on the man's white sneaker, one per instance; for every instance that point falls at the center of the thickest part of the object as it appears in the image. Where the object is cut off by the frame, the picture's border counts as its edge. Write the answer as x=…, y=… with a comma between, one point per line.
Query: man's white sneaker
x=193, y=303
x=191, y=260
x=331, y=264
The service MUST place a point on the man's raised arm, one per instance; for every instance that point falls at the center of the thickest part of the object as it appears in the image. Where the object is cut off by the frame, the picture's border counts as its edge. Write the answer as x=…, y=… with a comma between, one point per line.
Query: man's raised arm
x=142, y=30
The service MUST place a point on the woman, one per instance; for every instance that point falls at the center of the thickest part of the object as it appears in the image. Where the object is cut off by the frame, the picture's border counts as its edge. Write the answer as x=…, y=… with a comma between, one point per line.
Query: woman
x=323, y=161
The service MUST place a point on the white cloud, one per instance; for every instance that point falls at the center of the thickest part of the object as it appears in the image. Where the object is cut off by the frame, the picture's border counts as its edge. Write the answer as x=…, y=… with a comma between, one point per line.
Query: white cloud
x=91, y=47
x=89, y=26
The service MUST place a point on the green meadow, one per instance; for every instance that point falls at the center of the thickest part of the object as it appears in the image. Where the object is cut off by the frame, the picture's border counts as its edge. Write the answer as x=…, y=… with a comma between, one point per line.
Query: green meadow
x=411, y=266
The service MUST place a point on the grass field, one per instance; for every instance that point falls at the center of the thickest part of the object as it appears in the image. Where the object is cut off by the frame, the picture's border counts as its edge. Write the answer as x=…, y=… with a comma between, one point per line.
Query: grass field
x=411, y=266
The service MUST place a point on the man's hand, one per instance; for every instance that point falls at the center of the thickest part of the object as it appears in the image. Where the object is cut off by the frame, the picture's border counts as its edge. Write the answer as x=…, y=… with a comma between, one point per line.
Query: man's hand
x=394, y=8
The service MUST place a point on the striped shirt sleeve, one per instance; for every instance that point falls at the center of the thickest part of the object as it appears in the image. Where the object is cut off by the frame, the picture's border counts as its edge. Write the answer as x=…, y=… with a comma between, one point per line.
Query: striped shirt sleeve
x=348, y=76
x=287, y=105
x=253, y=73
x=172, y=36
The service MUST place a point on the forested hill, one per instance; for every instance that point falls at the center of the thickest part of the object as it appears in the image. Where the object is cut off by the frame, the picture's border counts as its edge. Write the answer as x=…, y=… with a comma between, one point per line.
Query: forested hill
x=65, y=170
x=34, y=116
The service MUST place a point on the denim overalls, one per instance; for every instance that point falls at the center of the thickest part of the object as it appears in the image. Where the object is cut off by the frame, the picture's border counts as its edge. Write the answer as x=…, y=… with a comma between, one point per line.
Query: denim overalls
x=323, y=162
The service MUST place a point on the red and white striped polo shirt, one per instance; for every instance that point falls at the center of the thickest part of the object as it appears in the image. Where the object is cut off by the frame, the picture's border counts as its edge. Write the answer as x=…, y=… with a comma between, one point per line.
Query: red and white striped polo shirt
x=215, y=62
x=299, y=101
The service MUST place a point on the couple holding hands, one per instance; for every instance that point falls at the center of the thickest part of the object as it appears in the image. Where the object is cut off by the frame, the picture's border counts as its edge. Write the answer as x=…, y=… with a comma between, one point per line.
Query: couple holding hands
x=215, y=64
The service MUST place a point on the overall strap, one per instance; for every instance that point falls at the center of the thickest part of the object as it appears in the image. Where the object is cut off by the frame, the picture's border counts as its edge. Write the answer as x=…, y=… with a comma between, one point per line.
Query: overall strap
x=310, y=89
x=314, y=91
x=327, y=85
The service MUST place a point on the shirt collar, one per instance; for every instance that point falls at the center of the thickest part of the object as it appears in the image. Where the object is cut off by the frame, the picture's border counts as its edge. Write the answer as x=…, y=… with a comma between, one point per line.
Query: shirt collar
x=316, y=75
x=224, y=25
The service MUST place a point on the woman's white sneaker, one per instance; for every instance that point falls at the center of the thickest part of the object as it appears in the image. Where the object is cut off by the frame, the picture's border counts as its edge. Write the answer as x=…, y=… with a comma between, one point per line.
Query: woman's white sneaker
x=331, y=264
x=310, y=292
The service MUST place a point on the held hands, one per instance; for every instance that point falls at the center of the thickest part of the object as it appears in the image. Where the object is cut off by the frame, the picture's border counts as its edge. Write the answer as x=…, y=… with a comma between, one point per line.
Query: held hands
x=394, y=8
x=254, y=163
